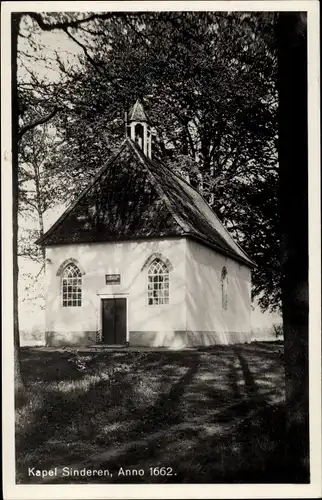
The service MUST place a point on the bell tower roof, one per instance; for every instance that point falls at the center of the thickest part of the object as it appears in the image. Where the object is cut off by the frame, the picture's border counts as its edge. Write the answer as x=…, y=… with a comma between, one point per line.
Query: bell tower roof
x=137, y=113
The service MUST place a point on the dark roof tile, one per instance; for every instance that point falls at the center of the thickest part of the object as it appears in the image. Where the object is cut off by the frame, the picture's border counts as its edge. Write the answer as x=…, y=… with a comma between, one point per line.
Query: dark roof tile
x=134, y=197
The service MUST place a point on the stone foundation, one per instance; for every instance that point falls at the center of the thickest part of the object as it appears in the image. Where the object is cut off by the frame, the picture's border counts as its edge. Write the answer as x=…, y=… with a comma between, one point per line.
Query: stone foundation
x=59, y=339
x=181, y=339
x=173, y=340
x=32, y=338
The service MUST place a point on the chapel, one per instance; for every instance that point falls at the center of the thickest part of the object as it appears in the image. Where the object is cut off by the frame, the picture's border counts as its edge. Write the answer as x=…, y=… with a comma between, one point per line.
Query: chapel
x=140, y=259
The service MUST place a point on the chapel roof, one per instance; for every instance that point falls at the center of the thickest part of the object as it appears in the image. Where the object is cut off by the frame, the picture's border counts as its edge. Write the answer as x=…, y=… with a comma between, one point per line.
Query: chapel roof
x=135, y=197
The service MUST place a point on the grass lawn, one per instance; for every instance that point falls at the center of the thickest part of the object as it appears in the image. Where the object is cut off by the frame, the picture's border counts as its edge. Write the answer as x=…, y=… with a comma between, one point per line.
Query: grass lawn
x=209, y=415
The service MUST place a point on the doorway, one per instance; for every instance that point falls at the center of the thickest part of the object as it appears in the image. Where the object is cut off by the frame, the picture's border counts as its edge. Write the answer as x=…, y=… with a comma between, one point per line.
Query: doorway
x=114, y=321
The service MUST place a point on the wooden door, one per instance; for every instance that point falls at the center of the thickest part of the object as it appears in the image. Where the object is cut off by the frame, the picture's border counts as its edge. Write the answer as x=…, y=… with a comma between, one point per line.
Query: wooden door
x=114, y=321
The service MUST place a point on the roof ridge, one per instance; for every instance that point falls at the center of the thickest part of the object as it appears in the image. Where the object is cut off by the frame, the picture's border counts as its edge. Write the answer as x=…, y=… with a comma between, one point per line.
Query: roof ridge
x=160, y=189
x=74, y=203
x=176, y=174
x=186, y=212
x=225, y=229
x=208, y=206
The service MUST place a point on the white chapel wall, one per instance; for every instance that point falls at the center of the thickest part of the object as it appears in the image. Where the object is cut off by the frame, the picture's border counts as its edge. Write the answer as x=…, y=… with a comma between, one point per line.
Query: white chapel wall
x=204, y=296
x=81, y=324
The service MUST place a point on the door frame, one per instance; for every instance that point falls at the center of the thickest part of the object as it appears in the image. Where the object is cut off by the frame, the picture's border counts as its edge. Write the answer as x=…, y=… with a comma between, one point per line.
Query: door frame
x=113, y=296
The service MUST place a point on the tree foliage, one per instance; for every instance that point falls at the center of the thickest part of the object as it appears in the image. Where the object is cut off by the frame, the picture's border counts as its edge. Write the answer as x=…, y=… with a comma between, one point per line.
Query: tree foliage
x=208, y=83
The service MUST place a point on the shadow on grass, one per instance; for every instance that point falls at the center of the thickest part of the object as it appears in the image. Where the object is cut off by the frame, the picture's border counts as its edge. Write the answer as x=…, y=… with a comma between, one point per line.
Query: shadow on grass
x=207, y=415
x=71, y=415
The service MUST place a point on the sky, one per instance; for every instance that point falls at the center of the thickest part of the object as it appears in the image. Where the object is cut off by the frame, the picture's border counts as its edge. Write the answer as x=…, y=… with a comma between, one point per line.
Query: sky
x=48, y=43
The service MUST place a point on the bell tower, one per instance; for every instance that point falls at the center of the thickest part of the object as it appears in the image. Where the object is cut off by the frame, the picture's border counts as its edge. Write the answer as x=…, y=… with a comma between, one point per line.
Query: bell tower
x=138, y=128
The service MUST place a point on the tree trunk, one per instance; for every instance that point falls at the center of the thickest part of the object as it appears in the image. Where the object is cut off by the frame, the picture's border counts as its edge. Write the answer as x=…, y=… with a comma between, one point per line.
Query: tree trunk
x=293, y=160
x=39, y=209
x=15, y=20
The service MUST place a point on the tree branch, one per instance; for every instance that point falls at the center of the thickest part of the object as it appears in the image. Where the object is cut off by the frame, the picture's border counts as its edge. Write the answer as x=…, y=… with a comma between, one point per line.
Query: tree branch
x=40, y=121
x=67, y=24
x=89, y=57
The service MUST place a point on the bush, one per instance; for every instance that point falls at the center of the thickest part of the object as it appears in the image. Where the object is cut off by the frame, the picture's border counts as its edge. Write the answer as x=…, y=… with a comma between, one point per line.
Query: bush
x=278, y=330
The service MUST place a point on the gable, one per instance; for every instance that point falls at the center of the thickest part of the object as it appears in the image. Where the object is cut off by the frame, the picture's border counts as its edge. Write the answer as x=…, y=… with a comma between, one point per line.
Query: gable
x=121, y=203
x=134, y=197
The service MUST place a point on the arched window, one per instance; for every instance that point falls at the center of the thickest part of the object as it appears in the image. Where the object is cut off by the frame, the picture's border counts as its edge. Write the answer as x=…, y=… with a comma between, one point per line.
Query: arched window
x=158, y=283
x=224, y=286
x=71, y=286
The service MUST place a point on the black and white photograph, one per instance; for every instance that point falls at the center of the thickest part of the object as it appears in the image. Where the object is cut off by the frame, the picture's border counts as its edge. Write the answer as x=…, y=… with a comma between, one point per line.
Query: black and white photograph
x=161, y=265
